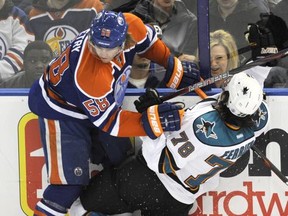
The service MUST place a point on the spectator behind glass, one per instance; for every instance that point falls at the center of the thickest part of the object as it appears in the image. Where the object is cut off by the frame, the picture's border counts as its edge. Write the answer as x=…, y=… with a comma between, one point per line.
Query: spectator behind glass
x=120, y=5
x=191, y=5
x=233, y=16
x=142, y=74
x=59, y=21
x=224, y=54
x=263, y=5
x=268, y=36
x=280, y=10
x=224, y=57
x=274, y=3
x=15, y=34
x=24, y=5
x=37, y=55
x=178, y=24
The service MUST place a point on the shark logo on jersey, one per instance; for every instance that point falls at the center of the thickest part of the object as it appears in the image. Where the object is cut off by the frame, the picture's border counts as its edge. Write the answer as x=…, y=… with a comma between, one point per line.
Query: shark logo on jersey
x=207, y=128
x=260, y=116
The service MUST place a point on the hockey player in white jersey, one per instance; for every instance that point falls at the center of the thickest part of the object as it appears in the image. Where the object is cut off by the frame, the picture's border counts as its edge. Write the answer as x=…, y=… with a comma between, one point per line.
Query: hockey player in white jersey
x=173, y=170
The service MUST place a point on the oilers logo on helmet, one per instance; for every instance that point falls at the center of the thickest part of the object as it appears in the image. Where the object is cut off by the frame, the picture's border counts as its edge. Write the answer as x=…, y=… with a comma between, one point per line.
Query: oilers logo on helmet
x=120, y=21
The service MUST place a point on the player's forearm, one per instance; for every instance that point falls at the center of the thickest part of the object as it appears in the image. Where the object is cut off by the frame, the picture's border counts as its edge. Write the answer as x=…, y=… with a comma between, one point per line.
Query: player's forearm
x=130, y=124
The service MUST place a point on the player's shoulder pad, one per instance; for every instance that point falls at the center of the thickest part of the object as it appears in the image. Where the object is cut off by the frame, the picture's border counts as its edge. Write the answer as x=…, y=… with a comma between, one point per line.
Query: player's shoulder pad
x=136, y=27
x=211, y=130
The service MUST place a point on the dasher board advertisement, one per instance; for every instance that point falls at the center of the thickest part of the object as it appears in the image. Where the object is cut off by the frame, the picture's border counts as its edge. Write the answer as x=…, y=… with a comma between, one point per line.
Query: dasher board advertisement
x=247, y=188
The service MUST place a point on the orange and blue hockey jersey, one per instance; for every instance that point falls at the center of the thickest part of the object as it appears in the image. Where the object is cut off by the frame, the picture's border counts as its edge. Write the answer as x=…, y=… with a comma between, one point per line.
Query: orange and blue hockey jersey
x=79, y=86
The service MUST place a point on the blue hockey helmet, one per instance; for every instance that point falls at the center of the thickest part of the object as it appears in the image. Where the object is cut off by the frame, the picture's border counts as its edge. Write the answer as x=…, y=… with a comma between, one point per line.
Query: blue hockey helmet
x=108, y=29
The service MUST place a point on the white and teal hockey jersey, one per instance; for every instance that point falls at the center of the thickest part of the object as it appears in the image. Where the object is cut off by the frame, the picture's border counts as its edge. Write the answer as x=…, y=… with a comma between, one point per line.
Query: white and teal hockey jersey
x=189, y=161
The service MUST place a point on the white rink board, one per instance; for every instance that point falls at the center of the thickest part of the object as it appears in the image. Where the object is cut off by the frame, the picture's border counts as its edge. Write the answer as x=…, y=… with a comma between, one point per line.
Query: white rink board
x=23, y=172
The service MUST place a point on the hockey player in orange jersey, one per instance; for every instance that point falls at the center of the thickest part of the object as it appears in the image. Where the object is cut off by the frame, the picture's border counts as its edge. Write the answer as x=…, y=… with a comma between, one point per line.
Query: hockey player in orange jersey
x=82, y=91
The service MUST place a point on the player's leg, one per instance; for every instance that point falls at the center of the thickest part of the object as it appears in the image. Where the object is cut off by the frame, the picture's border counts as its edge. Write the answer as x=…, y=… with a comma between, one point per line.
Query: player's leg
x=116, y=148
x=101, y=195
x=66, y=148
x=141, y=188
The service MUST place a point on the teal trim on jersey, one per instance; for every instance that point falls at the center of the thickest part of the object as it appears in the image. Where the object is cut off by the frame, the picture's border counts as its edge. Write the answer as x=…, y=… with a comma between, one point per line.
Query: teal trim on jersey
x=167, y=166
x=211, y=130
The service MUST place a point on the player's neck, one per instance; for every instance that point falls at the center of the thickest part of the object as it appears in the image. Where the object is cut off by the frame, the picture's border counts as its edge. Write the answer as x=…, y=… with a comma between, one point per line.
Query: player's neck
x=232, y=126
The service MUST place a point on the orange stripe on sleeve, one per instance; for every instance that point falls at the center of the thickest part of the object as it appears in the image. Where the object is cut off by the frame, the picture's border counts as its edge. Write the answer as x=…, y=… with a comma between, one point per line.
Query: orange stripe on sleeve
x=154, y=120
x=158, y=53
x=177, y=75
x=18, y=61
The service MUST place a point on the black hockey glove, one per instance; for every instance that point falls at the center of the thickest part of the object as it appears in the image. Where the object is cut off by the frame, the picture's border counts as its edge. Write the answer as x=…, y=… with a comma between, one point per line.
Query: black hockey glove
x=149, y=98
x=278, y=28
x=261, y=41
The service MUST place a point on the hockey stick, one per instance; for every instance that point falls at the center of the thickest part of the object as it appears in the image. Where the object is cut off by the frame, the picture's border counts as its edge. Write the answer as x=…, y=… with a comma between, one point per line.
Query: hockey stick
x=225, y=75
x=270, y=165
x=258, y=152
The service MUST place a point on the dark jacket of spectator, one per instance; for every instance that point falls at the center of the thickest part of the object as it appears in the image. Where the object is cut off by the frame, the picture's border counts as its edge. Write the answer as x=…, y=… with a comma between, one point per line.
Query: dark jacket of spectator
x=236, y=23
x=179, y=31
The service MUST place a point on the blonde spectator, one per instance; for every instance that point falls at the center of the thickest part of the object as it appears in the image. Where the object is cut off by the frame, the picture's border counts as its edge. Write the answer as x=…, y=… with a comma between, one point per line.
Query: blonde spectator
x=224, y=55
x=233, y=16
